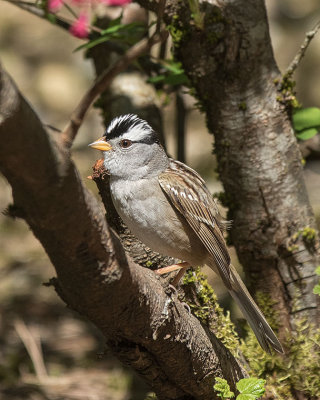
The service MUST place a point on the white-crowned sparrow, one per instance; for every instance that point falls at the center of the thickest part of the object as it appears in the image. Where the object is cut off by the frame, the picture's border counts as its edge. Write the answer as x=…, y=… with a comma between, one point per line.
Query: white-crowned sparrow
x=169, y=208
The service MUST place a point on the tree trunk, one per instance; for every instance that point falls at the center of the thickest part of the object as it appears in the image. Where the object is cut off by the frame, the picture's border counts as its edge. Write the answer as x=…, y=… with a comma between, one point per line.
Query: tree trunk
x=230, y=62
x=226, y=52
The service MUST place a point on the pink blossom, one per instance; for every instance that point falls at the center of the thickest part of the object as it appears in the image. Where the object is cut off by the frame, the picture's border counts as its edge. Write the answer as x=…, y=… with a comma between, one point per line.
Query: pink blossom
x=79, y=3
x=116, y=2
x=80, y=27
x=55, y=5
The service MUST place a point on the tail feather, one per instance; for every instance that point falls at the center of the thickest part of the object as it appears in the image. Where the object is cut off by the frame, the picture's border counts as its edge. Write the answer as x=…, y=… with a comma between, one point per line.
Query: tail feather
x=265, y=335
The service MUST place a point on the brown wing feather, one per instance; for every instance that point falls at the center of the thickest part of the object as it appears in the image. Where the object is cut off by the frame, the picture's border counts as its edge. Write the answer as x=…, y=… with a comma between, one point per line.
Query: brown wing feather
x=187, y=192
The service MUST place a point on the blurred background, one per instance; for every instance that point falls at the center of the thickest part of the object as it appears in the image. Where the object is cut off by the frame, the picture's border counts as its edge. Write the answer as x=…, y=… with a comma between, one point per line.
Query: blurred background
x=40, y=339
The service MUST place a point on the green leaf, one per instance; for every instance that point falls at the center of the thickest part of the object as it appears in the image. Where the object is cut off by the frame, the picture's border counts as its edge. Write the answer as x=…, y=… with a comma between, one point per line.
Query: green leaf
x=173, y=66
x=176, y=79
x=307, y=133
x=156, y=79
x=51, y=18
x=246, y=397
x=92, y=43
x=318, y=270
x=127, y=34
x=252, y=388
x=223, y=389
x=172, y=74
x=129, y=28
x=316, y=289
x=304, y=118
x=116, y=21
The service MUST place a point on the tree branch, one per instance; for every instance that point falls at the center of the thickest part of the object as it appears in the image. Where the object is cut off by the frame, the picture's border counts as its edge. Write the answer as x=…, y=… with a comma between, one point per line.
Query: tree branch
x=296, y=61
x=146, y=325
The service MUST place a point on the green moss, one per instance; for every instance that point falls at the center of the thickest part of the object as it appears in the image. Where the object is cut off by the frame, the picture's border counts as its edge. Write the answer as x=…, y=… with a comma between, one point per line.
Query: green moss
x=297, y=370
x=243, y=106
x=214, y=23
x=308, y=235
x=196, y=14
x=222, y=388
x=293, y=248
x=208, y=311
x=305, y=358
x=178, y=31
x=266, y=304
x=149, y=264
x=261, y=363
x=316, y=289
x=176, y=34
x=213, y=16
x=151, y=396
x=287, y=94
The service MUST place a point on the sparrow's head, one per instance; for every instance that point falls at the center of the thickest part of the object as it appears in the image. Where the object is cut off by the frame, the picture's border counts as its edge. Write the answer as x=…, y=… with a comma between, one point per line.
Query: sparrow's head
x=131, y=149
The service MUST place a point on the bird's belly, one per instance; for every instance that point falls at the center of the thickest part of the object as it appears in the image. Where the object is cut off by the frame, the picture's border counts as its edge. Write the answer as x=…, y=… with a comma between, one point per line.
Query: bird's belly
x=156, y=223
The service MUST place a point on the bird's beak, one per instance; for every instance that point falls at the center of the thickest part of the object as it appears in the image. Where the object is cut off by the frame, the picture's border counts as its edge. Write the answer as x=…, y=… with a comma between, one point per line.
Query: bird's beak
x=101, y=144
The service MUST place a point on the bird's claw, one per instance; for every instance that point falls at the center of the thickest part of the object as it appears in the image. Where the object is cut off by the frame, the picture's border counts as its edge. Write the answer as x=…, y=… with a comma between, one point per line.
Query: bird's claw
x=170, y=289
x=187, y=307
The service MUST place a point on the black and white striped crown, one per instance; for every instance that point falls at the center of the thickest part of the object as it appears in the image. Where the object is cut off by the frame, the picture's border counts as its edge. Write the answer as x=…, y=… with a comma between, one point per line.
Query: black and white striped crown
x=129, y=123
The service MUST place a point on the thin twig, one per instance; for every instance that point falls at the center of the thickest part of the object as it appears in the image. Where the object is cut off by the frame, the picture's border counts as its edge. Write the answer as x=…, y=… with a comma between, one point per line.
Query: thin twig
x=33, y=347
x=180, y=126
x=103, y=81
x=161, y=7
x=53, y=128
x=296, y=61
x=163, y=50
x=70, y=10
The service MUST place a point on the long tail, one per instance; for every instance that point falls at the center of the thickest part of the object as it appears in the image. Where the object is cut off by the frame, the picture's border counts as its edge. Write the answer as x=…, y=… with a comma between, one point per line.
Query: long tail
x=265, y=335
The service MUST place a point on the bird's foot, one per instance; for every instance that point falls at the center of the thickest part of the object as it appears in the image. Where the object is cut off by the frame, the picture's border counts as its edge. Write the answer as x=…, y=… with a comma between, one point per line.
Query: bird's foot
x=174, y=267
x=170, y=290
x=171, y=268
x=180, y=274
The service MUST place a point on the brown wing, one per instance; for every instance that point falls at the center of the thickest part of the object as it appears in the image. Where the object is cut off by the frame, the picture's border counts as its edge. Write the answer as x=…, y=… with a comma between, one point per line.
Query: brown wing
x=187, y=192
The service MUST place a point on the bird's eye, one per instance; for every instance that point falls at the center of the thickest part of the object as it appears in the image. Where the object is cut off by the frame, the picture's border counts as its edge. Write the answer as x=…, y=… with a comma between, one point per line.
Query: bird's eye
x=125, y=143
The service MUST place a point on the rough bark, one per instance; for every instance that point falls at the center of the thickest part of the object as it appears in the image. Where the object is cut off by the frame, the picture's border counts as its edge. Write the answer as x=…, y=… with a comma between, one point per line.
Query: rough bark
x=142, y=321
x=230, y=63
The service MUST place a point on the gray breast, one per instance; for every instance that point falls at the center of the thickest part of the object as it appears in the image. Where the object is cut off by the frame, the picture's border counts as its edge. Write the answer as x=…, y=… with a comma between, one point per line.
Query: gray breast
x=147, y=212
